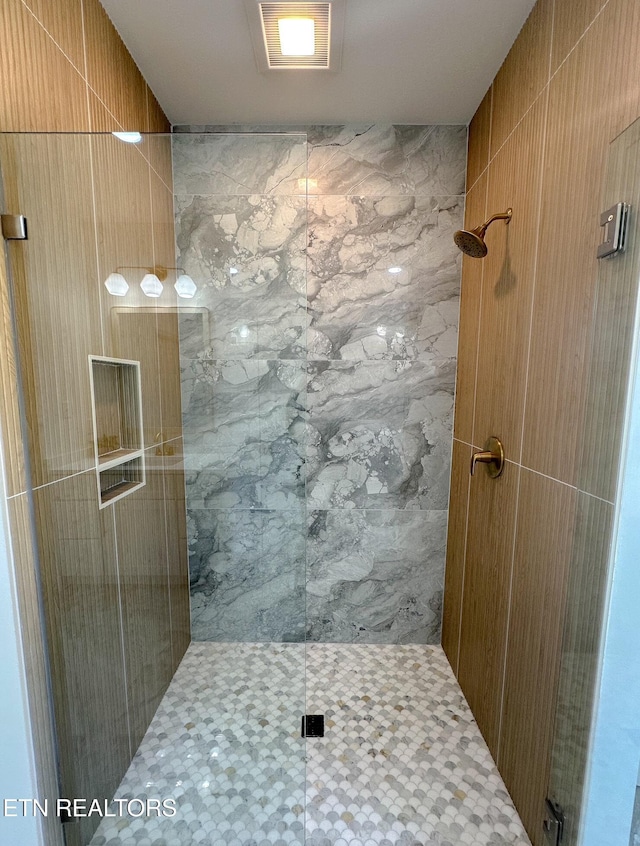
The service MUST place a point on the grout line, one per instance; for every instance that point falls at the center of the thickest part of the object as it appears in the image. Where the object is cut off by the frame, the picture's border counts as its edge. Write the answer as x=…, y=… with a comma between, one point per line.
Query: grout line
x=84, y=40
x=602, y=8
x=534, y=272
x=98, y=97
x=478, y=335
x=490, y=139
x=168, y=560
x=531, y=470
x=84, y=55
x=538, y=473
x=464, y=570
x=97, y=243
x=547, y=84
x=551, y=40
x=301, y=510
x=44, y=29
x=64, y=478
x=466, y=170
x=508, y=621
x=121, y=617
x=466, y=443
x=594, y=496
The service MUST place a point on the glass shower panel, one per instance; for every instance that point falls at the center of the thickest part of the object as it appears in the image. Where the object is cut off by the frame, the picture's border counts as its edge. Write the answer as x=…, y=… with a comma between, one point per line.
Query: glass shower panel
x=603, y=436
x=241, y=228
x=155, y=700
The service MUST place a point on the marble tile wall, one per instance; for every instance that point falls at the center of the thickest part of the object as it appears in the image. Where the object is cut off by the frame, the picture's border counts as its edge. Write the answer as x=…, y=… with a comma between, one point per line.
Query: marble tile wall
x=318, y=368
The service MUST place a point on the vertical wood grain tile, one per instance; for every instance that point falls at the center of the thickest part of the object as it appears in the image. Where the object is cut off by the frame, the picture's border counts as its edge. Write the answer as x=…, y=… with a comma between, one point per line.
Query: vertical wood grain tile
x=101, y=118
x=176, y=523
x=156, y=118
x=456, y=545
x=77, y=554
x=48, y=178
x=469, y=322
x=41, y=90
x=491, y=525
x=523, y=74
x=144, y=588
x=621, y=23
x=125, y=241
x=569, y=23
x=507, y=287
x=167, y=314
x=24, y=555
x=159, y=152
x=541, y=562
x=111, y=71
x=63, y=22
x=479, y=139
x=578, y=130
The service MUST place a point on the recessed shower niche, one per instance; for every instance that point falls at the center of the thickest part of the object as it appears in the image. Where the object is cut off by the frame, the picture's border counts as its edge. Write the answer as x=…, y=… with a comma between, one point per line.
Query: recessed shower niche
x=116, y=402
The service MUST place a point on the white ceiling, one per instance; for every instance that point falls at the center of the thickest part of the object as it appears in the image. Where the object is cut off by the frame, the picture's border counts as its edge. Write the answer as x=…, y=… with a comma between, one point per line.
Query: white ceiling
x=403, y=61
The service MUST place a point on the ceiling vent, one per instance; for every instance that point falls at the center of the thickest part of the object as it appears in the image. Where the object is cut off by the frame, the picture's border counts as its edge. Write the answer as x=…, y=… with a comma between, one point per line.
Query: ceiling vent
x=328, y=23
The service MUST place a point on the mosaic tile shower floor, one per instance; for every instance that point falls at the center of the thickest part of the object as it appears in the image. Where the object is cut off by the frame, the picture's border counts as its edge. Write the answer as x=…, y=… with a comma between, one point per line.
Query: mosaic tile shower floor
x=402, y=761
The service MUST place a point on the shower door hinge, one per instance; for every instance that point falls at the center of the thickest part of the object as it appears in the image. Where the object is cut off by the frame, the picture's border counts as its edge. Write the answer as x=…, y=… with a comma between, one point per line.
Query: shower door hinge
x=614, y=221
x=14, y=227
x=553, y=824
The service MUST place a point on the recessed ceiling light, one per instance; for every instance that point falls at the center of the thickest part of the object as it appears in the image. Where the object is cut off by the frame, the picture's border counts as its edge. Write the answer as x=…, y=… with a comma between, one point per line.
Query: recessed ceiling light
x=297, y=36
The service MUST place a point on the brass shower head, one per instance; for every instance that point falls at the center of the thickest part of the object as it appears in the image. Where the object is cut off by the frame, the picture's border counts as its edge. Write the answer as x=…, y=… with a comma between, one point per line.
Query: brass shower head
x=471, y=242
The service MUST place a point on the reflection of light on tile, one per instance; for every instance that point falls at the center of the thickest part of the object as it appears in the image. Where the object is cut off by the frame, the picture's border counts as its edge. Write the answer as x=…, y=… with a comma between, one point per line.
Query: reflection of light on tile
x=395, y=270
x=233, y=271
x=243, y=331
x=382, y=331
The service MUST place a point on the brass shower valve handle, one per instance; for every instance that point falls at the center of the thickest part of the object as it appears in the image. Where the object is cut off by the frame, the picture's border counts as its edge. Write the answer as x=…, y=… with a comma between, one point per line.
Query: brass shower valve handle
x=492, y=456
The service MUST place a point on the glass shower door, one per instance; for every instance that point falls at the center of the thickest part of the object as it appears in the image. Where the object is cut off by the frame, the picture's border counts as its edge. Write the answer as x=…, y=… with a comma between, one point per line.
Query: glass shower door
x=596, y=745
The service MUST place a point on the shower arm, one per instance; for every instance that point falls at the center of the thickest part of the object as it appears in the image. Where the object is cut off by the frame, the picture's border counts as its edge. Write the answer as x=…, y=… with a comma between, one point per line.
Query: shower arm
x=502, y=216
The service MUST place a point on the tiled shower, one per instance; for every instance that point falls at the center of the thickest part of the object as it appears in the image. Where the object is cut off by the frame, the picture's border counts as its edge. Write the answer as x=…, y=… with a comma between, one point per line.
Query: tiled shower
x=318, y=371
x=330, y=482
x=307, y=479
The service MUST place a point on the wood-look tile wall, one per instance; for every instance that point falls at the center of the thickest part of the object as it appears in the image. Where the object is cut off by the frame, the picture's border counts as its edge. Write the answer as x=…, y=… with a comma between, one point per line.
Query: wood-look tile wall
x=115, y=581
x=518, y=569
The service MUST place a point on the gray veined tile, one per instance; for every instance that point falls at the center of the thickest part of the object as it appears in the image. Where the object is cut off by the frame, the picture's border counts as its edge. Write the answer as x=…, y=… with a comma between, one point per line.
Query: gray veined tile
x=379, y=434
x=244, y=433
x=375, y=576
x=247, y=257
x=239, y=164
x=247, y=571
x=384, y=159
x=383, y=277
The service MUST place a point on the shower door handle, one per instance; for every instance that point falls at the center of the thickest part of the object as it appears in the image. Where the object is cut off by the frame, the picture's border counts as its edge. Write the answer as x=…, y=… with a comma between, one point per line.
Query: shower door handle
x=492, y=456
